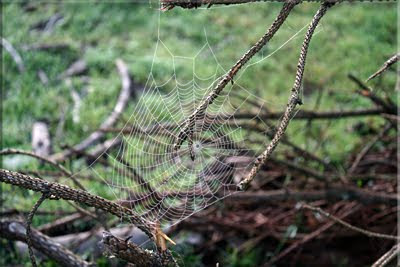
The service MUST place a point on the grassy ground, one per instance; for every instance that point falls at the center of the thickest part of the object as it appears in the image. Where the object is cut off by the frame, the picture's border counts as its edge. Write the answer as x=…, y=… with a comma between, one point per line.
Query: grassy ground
x=353, y=38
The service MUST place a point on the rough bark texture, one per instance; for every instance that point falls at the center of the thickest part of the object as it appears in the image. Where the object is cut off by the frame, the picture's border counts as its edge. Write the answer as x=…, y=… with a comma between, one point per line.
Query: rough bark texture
x=15, y=230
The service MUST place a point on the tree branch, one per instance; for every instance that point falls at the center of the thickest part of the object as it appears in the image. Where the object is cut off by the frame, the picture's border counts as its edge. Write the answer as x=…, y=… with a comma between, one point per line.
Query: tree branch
x=57, y=190
x=130, y=252
x=15, y=230
x=198, y=114
x=294, y=99
x=385, y=66
x=349, y=226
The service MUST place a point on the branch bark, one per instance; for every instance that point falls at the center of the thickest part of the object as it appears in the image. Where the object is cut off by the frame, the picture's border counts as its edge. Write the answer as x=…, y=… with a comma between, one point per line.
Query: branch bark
x=15, y=230
x=130, y=252
x=188, y=125
x=169, y=4
x=294, y=99
x=385, y=66
x=60, y=191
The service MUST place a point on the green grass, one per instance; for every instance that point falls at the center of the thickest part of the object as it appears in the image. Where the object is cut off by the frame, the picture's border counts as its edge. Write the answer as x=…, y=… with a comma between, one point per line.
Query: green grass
x=352, y=38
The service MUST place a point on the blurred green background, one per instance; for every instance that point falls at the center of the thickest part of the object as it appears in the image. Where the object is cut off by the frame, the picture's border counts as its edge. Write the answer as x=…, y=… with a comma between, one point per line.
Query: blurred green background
x=352, y=38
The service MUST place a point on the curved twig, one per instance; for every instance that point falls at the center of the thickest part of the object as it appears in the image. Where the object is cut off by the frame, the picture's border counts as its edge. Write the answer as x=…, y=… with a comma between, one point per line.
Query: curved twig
x=109, y=122
x=14, y=54
x=29, y=219
x=294, y=99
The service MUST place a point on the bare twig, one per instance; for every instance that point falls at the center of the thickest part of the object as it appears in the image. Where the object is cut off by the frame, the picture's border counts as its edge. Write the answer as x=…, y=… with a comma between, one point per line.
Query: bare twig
x=333, y=193
x=388, y=256
x=321, y=115
x=310, y=236
x=14, y=54
x=198, y=114
x=29, y=218
x=385, y=66
x=15, y=230
x=368, y=147
x=294, y=99
x=110, y=121
x=347, y=225
x=67, y=173
x=368, y=92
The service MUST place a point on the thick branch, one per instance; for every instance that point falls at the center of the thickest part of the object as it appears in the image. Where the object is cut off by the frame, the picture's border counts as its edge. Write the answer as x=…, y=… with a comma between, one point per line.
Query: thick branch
x=15, y=230
x=169, y=4
x=130, y=252
x=57, y=190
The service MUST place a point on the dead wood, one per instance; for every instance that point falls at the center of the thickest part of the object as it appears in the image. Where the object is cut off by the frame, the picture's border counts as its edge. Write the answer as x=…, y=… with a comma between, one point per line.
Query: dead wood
x=109, y=122
x=15, y=230
x=130, y=252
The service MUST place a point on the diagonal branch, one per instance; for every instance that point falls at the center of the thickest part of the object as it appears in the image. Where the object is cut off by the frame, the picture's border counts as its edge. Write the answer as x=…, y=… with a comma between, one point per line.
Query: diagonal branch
x=15, y=230
x=349, y=226
x=198, y=114
x=57, y=190
x=385, y=66
x=294, y=99
x=388, y=256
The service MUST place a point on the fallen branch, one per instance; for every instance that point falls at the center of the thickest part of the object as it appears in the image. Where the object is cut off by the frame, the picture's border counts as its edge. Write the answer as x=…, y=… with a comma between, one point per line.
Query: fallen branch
x=15, y=230
x=368, y=147
x=349, y=226
x=294, y=99
x=334, y=193
x=14, y=54
x=390, y=107
x=109, y=122
x=310, y=236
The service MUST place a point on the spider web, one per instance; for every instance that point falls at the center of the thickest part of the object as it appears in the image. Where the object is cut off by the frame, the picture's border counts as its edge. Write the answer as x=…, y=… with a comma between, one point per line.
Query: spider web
x=162, y=186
